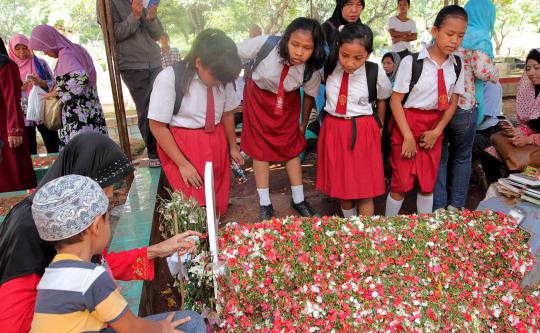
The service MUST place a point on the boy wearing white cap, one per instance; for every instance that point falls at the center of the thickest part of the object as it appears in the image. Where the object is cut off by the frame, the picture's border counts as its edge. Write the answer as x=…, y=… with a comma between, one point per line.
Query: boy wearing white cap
x=74, y=294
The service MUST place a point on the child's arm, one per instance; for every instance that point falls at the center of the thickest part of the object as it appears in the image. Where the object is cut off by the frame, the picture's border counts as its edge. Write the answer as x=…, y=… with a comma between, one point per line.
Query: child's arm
x=430, y=137
x=166, y=141
x=309, y=101
x=381, y=110
x=408, y=149
x=228, y=123
x=129, y=323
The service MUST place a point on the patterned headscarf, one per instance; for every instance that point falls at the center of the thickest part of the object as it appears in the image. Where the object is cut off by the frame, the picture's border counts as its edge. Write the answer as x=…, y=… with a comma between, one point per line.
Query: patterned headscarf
x=71, y=56
x=527, y=103
x=67, y=206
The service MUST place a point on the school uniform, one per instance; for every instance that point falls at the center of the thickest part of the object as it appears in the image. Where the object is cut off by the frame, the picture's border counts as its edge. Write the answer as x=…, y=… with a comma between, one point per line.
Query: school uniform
x=349, y=160
x=423, y=110
x=271, y=106
x=198, y=132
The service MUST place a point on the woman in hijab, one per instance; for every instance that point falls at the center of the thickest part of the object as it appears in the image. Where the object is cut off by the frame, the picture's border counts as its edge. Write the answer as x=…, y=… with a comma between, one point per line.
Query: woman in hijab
x=24, y=256
x=527, y=105
x=346, y=11
x=75, y=78
x=476, y=51
x=16, y=168
x=390, y=62
x=33, y=71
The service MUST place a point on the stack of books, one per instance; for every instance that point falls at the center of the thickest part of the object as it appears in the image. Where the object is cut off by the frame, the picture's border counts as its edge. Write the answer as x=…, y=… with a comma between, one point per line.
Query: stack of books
x=525, y=185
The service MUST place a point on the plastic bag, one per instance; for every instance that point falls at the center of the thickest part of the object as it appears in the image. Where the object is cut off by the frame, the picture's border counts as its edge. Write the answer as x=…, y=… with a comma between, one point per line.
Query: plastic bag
x=36, y=104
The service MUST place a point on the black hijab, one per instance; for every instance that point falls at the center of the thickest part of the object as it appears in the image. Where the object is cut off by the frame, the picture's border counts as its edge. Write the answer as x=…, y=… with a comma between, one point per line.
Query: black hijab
x=4, y=59
x=331, y=25
x=534, y=54
x=90, y=154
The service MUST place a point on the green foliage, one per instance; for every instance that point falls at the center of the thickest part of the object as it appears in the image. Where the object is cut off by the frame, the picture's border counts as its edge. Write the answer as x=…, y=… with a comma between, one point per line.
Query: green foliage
x=183, y=19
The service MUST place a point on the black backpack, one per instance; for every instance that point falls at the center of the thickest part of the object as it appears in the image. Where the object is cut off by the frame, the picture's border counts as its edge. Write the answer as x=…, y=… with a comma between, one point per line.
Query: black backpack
x=265, y=50
x=418, y=66
x=372, y=71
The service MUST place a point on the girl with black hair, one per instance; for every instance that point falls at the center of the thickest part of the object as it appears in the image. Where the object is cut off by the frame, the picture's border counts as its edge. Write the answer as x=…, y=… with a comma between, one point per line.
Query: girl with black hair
x=271, y=130
x=202, y=129
x=349, y=160
x=346, y=11
x=430, y=105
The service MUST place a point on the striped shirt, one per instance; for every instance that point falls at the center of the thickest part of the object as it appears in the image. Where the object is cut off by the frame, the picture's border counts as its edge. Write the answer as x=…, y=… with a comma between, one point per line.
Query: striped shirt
x=76, y=296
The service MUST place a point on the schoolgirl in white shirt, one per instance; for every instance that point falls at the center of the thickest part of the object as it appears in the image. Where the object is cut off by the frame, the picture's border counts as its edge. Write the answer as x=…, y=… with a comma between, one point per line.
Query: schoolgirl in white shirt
x=417, y=137
x=349, y=160
x=202, y=129
x=271, y=111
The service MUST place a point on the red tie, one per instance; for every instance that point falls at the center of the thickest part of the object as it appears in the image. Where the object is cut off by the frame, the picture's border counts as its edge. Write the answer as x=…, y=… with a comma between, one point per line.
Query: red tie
x=210, y=124
x=444, y=103
x=278, y=111
x=341, y=107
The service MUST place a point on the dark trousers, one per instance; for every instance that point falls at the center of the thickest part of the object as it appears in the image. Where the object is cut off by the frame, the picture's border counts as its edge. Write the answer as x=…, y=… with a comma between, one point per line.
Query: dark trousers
x=139, y=83
x=493, y=168
x=50, y=138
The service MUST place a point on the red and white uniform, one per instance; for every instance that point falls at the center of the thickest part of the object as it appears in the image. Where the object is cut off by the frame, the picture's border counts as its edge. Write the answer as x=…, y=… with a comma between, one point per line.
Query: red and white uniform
x=343, y=172
x=268, y=135
x=188, y=128
x=423, y=112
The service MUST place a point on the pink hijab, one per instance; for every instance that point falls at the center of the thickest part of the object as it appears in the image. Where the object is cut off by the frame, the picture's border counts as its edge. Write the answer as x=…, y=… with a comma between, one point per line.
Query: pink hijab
x=527, y=104
x=71, y=57
x=26, y=66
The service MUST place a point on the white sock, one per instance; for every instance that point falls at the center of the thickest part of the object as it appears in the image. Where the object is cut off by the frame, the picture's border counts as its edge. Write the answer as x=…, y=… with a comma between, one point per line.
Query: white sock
x=297, y=193
x=264, y=196
x=392, y=206
x=424, y=203
x=349, y=212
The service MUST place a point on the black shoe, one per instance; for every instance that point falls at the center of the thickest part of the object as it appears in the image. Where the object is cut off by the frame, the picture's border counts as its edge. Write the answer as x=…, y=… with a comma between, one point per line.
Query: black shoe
x=266, y=212
x=304, y=209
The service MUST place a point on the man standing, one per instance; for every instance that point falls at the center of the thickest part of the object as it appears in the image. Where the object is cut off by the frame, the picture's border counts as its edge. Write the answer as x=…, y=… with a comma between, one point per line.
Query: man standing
x=137, y=29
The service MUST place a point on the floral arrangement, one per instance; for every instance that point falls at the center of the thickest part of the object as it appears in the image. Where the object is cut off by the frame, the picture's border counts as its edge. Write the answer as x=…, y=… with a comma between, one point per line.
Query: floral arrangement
x=446, y=272
x=179, y=214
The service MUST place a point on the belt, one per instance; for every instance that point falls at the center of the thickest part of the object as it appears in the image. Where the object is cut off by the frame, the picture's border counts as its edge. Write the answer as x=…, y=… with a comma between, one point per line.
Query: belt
x=355, y=130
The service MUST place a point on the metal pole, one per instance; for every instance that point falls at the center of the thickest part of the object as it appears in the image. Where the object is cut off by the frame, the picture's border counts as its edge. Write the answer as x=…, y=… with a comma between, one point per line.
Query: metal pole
x=105, y=18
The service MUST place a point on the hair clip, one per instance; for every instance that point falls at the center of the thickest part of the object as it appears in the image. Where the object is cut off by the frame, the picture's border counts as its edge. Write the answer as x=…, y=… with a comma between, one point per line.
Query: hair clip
x=340, y=28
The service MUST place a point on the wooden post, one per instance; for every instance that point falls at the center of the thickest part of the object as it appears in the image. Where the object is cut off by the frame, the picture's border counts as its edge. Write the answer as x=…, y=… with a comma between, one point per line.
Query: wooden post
x=106, y=23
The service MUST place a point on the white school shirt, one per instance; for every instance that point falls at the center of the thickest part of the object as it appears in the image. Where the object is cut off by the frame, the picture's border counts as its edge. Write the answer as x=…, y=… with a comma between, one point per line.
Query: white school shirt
x=266, y=75
x=192, y=112
x=358, y=93
x=425, y=94
x=399, y=26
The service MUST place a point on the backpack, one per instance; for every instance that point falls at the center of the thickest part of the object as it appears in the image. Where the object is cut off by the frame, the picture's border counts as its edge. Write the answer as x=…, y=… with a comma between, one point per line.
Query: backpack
x=265, y=50
x=418, y=65
x=372, y=71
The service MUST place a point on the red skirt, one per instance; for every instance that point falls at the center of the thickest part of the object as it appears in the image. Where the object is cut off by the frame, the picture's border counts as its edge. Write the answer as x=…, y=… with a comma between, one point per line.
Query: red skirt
x=265, y=136
x=350, y=174
x=424, y=166
x=200, y=147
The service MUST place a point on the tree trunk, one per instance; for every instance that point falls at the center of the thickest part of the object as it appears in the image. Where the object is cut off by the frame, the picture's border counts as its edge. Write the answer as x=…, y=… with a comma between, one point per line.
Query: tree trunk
x=195, y=14
x=276, y=19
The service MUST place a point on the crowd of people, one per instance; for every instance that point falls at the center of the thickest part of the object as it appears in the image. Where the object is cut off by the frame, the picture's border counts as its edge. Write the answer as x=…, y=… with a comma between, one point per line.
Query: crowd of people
x=417, y=118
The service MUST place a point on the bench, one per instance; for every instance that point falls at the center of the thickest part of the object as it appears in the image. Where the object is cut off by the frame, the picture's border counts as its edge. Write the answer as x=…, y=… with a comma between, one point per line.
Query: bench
x=135, y=224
